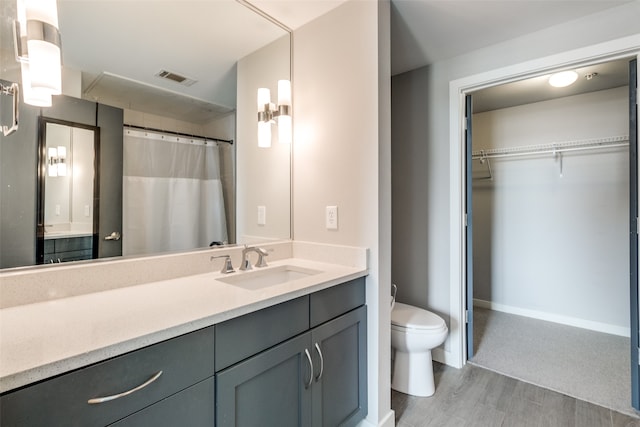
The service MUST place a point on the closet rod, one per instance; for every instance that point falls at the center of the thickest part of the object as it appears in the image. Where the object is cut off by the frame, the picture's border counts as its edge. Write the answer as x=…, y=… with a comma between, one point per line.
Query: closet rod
x=553, y=148
x=227, y=141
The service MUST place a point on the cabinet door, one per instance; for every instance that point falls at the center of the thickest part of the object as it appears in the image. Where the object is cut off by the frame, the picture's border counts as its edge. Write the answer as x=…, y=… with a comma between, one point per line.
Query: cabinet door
x=193, y=407
x=340, y=375
x=269, y=389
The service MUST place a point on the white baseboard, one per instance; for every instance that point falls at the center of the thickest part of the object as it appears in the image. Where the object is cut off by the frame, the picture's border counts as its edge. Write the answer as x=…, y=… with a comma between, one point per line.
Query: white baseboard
x=557, y=318
x=388, y=420
x=442, y=356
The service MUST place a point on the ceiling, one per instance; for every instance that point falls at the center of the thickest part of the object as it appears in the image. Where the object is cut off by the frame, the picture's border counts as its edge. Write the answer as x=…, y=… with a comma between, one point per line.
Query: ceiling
x=203, y=39
x=427, y=31
x=121, y=46
x=590, y=79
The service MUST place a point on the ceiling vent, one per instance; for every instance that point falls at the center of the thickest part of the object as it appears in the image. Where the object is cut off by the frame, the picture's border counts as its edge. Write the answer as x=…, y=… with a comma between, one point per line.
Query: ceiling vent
x=176, y=78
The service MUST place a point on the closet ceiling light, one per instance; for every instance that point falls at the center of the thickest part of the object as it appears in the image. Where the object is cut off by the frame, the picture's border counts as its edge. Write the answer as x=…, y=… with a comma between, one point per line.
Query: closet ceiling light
x=563, y=79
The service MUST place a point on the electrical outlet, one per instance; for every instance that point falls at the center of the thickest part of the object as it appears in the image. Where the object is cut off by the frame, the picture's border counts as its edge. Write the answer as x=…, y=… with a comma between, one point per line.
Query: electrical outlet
x=262, y=215
x=57, y=209
x=332, y=218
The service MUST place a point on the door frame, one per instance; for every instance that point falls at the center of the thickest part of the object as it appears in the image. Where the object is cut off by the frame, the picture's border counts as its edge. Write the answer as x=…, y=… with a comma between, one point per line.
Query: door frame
x=616, y=49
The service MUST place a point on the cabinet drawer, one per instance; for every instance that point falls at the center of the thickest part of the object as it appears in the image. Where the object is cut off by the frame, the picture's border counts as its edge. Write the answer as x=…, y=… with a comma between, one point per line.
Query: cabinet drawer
x=193, y=407
x=335, y=301
x=49, y=246
x=242, y=337
x=73, y=244
x=63, y=401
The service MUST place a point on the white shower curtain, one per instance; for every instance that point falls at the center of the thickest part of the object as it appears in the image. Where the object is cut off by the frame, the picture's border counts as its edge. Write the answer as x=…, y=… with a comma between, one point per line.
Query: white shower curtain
x=172, y=193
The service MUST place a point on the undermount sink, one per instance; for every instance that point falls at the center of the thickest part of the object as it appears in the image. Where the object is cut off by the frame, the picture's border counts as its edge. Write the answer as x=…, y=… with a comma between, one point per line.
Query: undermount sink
x=260, y=279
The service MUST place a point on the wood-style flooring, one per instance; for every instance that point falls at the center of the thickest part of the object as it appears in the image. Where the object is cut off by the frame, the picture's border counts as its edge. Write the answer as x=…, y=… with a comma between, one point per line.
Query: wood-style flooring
x=473, y=396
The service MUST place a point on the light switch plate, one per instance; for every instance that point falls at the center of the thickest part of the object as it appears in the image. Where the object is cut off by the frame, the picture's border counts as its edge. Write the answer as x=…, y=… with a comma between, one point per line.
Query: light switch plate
x=262, y=215
x=332, y=217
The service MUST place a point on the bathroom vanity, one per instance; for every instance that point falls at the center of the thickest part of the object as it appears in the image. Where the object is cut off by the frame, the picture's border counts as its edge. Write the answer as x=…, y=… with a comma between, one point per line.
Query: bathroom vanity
x=288, y=354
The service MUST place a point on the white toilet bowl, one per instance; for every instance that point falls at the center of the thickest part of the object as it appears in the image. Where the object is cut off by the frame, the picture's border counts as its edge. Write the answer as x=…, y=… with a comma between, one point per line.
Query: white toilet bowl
x=414, y=333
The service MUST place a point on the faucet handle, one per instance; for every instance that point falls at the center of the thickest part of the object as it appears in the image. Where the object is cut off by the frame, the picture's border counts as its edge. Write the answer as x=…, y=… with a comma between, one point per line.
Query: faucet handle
x=227, y=266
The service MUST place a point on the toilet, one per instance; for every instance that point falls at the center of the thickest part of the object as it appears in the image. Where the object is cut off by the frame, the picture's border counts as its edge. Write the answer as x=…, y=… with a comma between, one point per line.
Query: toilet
x=414, y=333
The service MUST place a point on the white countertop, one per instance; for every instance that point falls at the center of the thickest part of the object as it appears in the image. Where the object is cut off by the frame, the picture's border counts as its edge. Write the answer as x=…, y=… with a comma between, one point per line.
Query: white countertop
x=48, y=235
x=44, y=339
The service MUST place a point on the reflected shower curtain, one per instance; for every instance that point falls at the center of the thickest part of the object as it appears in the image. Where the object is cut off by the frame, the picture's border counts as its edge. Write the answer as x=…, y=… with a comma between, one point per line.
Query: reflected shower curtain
x=172, y=193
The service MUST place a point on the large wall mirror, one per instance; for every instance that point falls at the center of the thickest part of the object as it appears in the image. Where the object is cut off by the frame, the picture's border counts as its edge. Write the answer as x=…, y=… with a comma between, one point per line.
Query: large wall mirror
x=167, y=70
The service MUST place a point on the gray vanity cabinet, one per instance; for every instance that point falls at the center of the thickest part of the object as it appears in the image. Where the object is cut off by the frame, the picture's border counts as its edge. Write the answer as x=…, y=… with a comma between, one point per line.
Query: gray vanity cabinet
x=268, y=389
x=68, y=249
x=316, y=378
x=301, y=363
x=193, y=407
x=339, y=389
x=176, y=364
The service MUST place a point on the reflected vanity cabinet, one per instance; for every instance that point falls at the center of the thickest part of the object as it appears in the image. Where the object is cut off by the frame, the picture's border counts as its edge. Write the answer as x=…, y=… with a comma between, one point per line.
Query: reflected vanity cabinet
x=68, y=249
x=298, y=363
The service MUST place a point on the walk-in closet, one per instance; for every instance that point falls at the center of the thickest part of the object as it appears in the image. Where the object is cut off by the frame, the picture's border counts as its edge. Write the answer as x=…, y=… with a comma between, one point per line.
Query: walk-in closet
x=550, y=219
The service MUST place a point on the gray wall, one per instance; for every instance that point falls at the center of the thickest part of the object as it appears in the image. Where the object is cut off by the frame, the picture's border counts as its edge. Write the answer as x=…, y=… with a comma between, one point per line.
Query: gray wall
x=428, y=278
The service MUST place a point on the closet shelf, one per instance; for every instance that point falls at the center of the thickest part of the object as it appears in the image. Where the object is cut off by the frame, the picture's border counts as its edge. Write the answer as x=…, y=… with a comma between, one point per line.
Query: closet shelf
x=553, y=148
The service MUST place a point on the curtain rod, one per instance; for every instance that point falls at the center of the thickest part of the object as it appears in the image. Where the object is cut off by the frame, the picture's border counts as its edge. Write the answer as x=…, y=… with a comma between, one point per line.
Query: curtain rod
x=227, y=141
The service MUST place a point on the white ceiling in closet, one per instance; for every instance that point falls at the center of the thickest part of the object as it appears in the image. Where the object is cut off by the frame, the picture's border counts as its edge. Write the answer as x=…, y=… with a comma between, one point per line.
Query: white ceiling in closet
x=591, y=78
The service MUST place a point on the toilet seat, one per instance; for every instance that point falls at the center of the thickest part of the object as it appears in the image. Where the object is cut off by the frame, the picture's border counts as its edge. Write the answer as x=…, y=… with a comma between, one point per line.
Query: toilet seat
x=414, y=318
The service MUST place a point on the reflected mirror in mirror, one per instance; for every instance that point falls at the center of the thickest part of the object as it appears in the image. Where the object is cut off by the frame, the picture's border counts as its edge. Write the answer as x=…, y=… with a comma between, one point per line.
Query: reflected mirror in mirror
x=133, y=56
x=68, y=191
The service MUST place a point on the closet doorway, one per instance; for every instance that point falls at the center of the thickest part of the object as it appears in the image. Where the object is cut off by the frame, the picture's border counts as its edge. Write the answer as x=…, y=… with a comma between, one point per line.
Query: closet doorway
x=549, y=180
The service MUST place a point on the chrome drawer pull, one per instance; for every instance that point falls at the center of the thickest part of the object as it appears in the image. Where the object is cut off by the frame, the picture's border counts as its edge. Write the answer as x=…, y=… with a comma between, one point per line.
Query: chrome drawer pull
x=311, y=369
x=125, y=393
x=321, y=362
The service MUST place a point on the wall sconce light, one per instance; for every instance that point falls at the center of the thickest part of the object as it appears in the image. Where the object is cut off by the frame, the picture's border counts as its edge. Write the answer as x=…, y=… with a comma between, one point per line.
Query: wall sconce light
x=57, y=161
x=37, y=46
x=268, y=114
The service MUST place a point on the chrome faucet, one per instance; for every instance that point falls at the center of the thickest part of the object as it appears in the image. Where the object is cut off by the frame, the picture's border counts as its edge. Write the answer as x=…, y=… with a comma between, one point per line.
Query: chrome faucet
x=227, y=267
x=246, y=264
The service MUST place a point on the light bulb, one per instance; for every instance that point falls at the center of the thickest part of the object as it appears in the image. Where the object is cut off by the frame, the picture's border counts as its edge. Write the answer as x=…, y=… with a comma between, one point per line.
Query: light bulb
x=264, y=134
x=284, y=129
x=264, y=98
x=563, y=79
x=284, y=92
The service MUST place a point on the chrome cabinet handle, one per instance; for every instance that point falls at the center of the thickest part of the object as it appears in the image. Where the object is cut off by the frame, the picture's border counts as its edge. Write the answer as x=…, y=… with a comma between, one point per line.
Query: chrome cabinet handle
x=321, y=362
x=307, y=385
x=125, y=393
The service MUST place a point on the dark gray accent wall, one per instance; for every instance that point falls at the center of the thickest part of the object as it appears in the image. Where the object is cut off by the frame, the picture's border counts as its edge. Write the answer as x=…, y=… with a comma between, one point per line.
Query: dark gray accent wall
x=72, y=110
x=410, y=182
x=18, y=183
x=110, y=122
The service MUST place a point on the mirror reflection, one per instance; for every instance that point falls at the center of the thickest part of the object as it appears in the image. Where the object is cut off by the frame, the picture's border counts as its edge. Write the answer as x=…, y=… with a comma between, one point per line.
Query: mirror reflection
x=68, y=191
x=114, y=57
x=172, y=193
